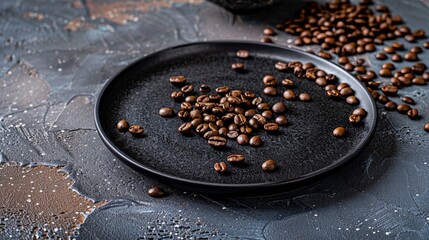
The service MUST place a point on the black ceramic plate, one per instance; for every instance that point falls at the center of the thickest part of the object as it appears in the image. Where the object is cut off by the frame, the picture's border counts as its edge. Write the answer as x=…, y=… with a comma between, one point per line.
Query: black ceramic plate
x=304, y=150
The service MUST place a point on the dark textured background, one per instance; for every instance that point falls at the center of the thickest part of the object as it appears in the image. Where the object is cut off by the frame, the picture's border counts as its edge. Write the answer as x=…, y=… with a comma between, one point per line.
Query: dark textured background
x=70, y=48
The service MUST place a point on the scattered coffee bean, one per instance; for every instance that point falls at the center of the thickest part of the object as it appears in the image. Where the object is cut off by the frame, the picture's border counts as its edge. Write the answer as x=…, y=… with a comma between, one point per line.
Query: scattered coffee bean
x=220, y=167
x=396, y=58
x=347, y=91
x=232, y=134
x=360, y=111
x=243, y=139
x=269, y=80
x=343, y=60
x=410, y=38
x=426, y=127
x=185, y=127
x=288, y=83
x=334, y=93
x=390, y=106
x=383, y=99
x=416, y=49
x=266, y=40
x=122, y=125
x=267, y=114
x=413, y=113
x=354, y=119
x=243, y=54
x=410, y=56
x=324, y=55
x=419, y=81
x=279, y=107
x=408, y=100
x=178, y=80
x=381, y=56
x=270, y=91
x=271, y=127
x=389, y=90
x=269, y=166
x=403, y=108
x=156, y=192
x=237, y=66
x=136, y=129
x=177, y=95
x=255, y=141
x=352, y=100
x=305, y=97
x=426, y=44
x=281, y=120
x=389, y=66
x=217, y=142
x=289, y=94
x=384, y=72
x=339, y=132
x=388, y=49
x=269, y=32
x=235, y=158
x=398, y=46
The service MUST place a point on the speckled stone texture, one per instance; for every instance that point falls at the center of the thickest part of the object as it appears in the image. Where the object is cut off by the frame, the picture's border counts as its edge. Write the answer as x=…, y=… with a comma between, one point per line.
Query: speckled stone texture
x=56, y=56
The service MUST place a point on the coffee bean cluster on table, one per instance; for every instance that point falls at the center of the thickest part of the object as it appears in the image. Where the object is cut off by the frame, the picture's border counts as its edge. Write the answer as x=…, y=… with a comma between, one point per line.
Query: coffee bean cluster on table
x=220, y=114
x=345, y=29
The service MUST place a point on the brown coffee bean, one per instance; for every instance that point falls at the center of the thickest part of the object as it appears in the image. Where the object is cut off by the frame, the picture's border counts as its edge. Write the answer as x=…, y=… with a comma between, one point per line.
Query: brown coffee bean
x=410, y=38
x=324, y=55
x=383, y=99
x=330, y=87
x=403, y=108
x=271, y=127
x=349, y=49
x=263, y=106
x=250, y=113
x=321, y=81
x=281, y=120
x=223, y=131
x=270, y=91
x=122, y=125
x=187, y=89
x=416, y=49
x=389, y=66
x=191, y=99
x=360, y=111
x=343, y=60
x=255, y=141
x=413, y=113
x=397, y=45
x=426, y=44
x=389, y=90
x=334, y=93
x=288, y=83
x=370, y=47
x=220, y=167
x=202, y=128
x=425, y=76
x=349, y=67
x=166, y=112
x=426, y=127
x=186, y=106
x=267, y=114
x=305, y=97
x=408, y=100
x=390, y=106
x=177, y=96
x=352, y=100
x=243, y=139
x=339, y=132
x=269, y=80
x=185, y=127
x=217, y=142
x=269, y=166
x=281, y=66
x=240, y=119
x=355, y=119
x=136, y=129
x=375, y=94
x=237, y=66
x=196, y=122
x=156, y=192
x=222, y=90
x=246, y=129
x=266, y=40
x=396, y=58
x=380, y=56
x=232, y=134
x=235, y=158
x=178, y=80
x=410, y=56
x=388, y=49
x=289, y=94
x=243, y=54
x=279, y=107
x=420, y=33
x=269, y=31
x=384, y=72
x=347, y=91
x=419, y=81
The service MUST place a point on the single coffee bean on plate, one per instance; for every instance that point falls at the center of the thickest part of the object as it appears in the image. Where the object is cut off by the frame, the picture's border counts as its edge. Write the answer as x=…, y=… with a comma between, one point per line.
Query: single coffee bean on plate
x=136, y=130
x=177, y=96
x=403, y=108
x=156, y=192
x=396, y=58
x=217, y=142
x=347, y=91
x=410, y=56
x=270, y=91
x=281, y=66
x=355, y=119
x=383, y=99
x=343, y=60
x=123, y=125
x=410, y=38
x=352, y=100
x=255, y=141
x=246, y=129
x=304, y=97
x=235, y=158
x=243, y=139
x=281, y=120
x=408, y=100
x=178, y=81
x=360, y=111
x=388, y=49
x=388, y=65
x=321, y=81
x=380, y=56
x=243, y=54
x=384, y=72
x=333, y=93
x=220, y=167
x=324, y=55
x=390, y=106
x=339, y=132
x=269, y=165
x=187, y=89
x=166, y=112
x=413, y=113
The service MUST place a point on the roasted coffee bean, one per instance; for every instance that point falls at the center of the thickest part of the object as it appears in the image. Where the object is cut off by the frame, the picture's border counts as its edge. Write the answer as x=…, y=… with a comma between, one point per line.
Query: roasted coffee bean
x=186, y=106
x=178, y=80
x=239, y=110
x=310, y=74
x=269, y=31
x=355, y=119
x=185, y=127
x=410, y=38
x=204, y=88
x=266, y=40
x=270, y=91
x=255, y=141
x=240, y=119
x=267, y=114
x=349, y=49
x=360, y=69
x=187, y=89
x=324, y=55
x=271, y=127
x=389, y=90
x=347, y=91
x=233, y=127
x=260, y=119
x=388, y=49
x=418, y=68
x=263, y=106
x=217, y=142
x=321, y=81
x=242, y=54
x=410, y=56
x=250, y=113
x=279, y=107
x=202, y=128
x=156, y=192
x=210, y=134
x=214, y=126
x=281, y=120
x=343, y=60
x=222, y=90
x=196, y=122
x=352, y=100
x=396, y=58
x=416, y=49
x=237, y=66
x=253, y=123
x=425, y=76
x=349, y=67
x=330, y=87
x=256, y=101
x=223, y=131
x=232, y=134
x=339, y=132
x=243, y=139
x=342, y=85
x=395, y=82
x=123, y=125
x=390, y=106
x=403, y=108
x=419, y=81
x=289, y=94
x=375, y=94
x=334, y=93
x=136, y=129
x=305, y=97
x=397, y=46
x=370, y=47
x=269, y=166
x=389, y=66
x=426, y=44
x=384, y=72
x=360, y=111
x=220, y=167
x=249, y=95
x=191, y=99
x=288, y=83
x=235, y=158
x=381, y=56
x=281, y=66
x=408, y=100
x=246, y=129
x=426, y=127
x=166, y=112
x=383, y=99
x=413, y=113
x=177, y=96
x=210, y=118
x=269, y=80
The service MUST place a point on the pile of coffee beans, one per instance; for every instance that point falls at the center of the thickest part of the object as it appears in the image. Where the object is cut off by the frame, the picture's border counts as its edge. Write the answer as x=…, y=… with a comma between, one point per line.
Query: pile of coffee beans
x=346, y=29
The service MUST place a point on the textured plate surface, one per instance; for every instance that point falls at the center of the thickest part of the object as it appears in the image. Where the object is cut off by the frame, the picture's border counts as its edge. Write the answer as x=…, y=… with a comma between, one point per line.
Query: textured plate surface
x=304, y=149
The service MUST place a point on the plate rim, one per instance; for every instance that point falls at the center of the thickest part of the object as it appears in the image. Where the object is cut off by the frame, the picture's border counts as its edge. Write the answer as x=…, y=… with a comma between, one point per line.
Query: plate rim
x=302, y=179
